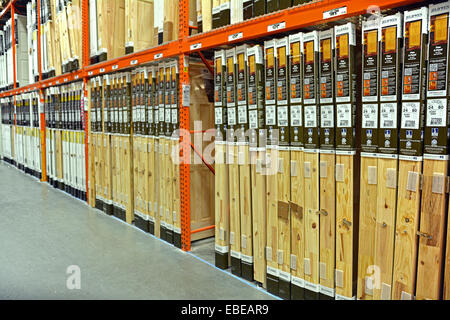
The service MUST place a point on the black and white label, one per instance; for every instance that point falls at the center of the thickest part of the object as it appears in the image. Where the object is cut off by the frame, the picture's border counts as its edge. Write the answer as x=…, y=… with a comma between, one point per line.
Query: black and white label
x=276, y=26
x=218, y=116
x=296, y=116
x=344, y=115
x=283, y=118
x=370, y=116
x=436, y=113
x=231, y=116
x=310, y=116
x=410, y=115
x=327, y=116
x=242, y=114
x=270, y=115
x=334, y=13
x=253, y=119
x=388, y=115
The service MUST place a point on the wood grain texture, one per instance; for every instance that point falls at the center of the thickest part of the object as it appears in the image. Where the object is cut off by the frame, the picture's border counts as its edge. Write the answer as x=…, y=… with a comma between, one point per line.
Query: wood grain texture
x=235, y=210
x=432, y=223
x=258, y=216
x=346, y=226
x=245, y=201
x=327, y=222
x=297, y=218
x=157, y=201
x=407, y=223
x=150, y=179
x=222, y=202
x=312, y=207
x=368, y=205
x=385, y=225
x=272, y=209
x=284, y=221
x=176, y=197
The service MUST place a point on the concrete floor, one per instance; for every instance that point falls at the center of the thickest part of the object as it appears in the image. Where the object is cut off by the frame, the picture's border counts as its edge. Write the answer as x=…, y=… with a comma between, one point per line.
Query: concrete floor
x=44, y=231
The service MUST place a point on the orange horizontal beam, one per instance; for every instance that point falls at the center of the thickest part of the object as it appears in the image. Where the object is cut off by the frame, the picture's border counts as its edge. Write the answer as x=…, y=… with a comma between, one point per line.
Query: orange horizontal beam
x=298, y=17
x=168, y=50
x=55, y=81
x=203, y=229
x=294, y=18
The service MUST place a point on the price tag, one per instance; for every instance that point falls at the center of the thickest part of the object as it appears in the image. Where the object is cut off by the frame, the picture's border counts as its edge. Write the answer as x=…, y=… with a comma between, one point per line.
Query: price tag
x=276, y=26
x=158, y=56
x=196, y=46
x=186, y=95
x=235, y=36
x=65, y=79
x=102, y=70
x=133, y=62
x=115, y=67
x=90, y=73
x=57, y=81
x=334, y=13
x=77, y=77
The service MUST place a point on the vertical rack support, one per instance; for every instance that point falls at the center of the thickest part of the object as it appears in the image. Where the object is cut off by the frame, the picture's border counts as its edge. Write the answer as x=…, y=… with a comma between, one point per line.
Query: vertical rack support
x=43, y=137
x=41, y=99
x=85, y=63
x=185, y=137
x=13, y=34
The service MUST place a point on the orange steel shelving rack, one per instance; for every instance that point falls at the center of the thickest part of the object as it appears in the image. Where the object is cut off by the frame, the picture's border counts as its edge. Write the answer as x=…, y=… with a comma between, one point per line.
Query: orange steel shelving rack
x=286, y=20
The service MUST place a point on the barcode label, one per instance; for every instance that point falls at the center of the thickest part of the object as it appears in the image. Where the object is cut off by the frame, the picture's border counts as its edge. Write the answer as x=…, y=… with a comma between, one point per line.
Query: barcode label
x=327, y=116
x=270, y=115
x=253, y=119
x=231, y=116
x=410, y=115
x=370, y=116
x=296, y=116
x=436, y=121
x=310, y=116
x=436, y=112
x=344, y=115
x=283, y=120
x=388, y=116
x=242, y=114
x=218, y=116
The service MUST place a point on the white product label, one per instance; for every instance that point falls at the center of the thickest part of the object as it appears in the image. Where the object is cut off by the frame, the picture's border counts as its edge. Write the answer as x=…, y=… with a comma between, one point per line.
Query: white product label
x=272, y=271
x=242, y=114
x=344, y=115
x=370, y=116
x=231, y=116
x=436, y=113
x=196, y=46
x=270, y=115
x=283, y=118
x=296, y=116
x=218, y=116
x=174, y=116
x=310, y=116
x=186, y=96
x=388, y=115
x=235, y=36
x=276, y=26
x=253, y=119
x=410, y=115
x=327, y=116
x=334, y=13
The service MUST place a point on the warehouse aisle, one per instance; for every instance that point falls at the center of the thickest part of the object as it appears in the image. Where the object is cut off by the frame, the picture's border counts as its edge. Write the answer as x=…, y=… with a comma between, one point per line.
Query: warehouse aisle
x=44, y=231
